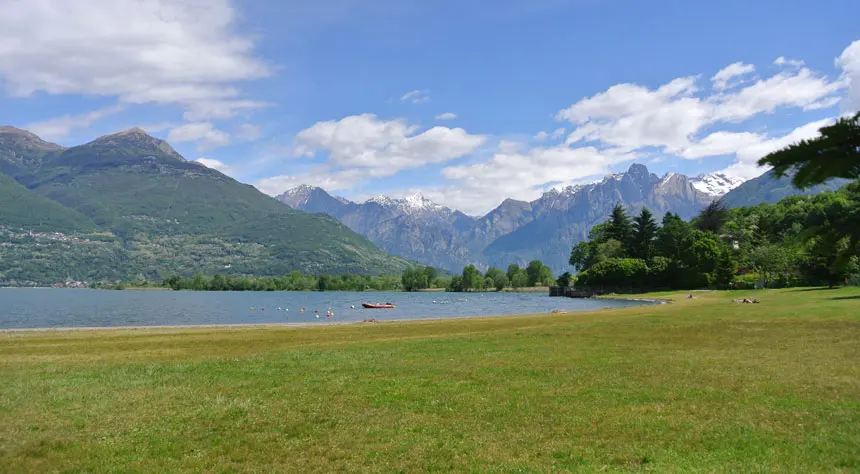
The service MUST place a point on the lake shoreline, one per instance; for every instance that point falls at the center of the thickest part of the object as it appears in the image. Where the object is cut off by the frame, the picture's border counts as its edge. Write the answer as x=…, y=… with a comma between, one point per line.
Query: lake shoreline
x=303, y=324
x=68, y=310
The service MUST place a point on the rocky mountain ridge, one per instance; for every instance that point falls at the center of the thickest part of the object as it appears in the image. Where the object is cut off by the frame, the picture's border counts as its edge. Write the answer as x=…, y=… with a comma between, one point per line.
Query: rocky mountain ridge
x=515, y=231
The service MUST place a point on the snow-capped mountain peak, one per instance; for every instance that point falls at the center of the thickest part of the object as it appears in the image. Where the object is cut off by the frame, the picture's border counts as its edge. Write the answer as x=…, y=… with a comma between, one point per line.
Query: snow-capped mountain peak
x=418, y=201
x=612, y=177
x=568, y=190
x=300, y=194
x=716, y=184
x=384, y=201
x=413, y=204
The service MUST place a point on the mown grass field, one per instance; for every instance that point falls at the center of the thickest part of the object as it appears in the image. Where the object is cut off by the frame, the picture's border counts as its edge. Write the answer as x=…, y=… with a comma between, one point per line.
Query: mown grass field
x=701, y=385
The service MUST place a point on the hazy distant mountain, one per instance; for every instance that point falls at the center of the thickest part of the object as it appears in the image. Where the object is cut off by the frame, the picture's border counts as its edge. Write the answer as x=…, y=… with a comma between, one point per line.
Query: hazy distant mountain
x=414, y=227
x=515, y=231
x=767, y=188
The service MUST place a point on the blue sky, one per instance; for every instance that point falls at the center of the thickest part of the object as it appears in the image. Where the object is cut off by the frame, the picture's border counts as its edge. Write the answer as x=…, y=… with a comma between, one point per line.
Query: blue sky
x=467, y=101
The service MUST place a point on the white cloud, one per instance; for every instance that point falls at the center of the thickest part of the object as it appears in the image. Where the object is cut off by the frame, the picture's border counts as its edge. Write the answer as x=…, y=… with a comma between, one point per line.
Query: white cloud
x=631, y=116
x=220, y=109
x=521, y=175
x=721, y=143
x=671, y=117
x=321, y=176
x=416, y=97
x=622, y=123
x=59, y=127
x=748, y=155
x=782, y=61
x=849, y=62
x=157, y=127
x=555, y=135
x=204, y=133
x=510, y=146
x=248, y=132
x=184, y=53
x=721, y=79
x=802, y=89
x=214, y=164
x=446, y=116
x=381, y=147
x=626, y=99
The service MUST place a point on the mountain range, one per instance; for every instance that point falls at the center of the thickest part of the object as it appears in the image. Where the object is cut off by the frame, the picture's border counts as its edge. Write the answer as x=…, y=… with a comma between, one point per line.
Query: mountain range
x=515, y=231
x=127, y=205
x=543, y=229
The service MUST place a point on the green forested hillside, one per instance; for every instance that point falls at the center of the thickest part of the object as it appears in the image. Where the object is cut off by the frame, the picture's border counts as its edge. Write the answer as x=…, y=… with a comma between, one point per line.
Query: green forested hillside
x=22, y=208
x=163, y=215
x=21, y=150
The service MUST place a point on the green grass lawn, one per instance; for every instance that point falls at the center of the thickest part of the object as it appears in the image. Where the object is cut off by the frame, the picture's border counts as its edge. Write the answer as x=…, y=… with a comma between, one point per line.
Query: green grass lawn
x=701, y=385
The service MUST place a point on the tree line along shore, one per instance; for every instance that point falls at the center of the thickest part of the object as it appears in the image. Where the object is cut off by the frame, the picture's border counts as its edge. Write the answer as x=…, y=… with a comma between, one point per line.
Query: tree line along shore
x=799, y=241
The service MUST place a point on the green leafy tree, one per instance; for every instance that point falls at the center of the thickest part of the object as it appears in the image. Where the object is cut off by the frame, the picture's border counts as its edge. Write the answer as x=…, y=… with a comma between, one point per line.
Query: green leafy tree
x=538, y=274
x=609, y=249
x=726, y=269
x=586, y=253
x=472, y=278
x=512, y=270
x=671, y=236
x=769, y=261
x=415, y=279
x=833, y=217
x=431, y=274
x=565, y=280
x=520, y=279
x=712, y=218
x=824, y=263
x=620, y=228
x=198, y=283
x=441, y=282
x=615, y=273
x=833, y=154
x=660, y=272
x=581, y=255
x=644, y=234
x=218, y=283
x=499, y=278
x=701, y=251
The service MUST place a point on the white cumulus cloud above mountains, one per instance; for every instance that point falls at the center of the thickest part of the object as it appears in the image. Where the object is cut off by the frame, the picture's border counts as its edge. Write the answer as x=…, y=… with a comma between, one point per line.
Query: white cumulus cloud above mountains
x=687, y=117
x=193, y=56
x=184, y=54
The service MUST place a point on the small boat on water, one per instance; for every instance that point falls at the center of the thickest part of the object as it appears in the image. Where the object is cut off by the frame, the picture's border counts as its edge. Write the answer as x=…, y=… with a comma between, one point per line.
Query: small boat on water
x=378, y=305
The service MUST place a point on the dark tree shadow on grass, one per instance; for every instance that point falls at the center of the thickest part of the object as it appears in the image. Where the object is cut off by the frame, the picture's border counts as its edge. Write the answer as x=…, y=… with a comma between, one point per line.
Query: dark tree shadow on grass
x=821, y=288
x=855, y=297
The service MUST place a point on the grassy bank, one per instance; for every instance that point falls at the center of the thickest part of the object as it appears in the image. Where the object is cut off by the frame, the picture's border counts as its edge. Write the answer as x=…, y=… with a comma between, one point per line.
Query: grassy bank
x=704, y=385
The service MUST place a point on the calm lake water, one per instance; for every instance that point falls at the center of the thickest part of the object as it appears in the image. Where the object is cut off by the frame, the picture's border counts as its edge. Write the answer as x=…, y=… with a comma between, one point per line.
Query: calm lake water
x=49, y=308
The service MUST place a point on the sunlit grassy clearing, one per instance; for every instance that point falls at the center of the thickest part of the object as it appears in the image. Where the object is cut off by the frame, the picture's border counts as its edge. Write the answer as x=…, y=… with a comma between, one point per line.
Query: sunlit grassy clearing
x=697, y=385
